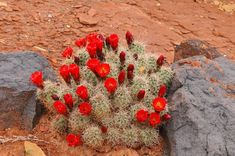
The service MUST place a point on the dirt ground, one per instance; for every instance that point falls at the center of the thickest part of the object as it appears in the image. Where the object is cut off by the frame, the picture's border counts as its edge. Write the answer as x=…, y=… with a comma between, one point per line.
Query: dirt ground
x=48, y=26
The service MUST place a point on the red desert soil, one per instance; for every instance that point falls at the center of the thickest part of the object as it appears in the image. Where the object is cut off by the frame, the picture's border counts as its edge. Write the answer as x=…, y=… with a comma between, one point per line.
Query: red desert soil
x=48, y=26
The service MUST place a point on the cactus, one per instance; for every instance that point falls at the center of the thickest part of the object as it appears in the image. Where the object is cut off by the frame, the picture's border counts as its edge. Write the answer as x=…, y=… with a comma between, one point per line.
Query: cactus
x=78, y=122
x=165, y=75
x=130, y=137
x=99, y=110
x=148, y=99
x=121, y=119
x=101, y=107
x=89, y=76
x=149, y=136
x=44, y=95
x=154, y=84
x=151, y=64
x=114, y=136
x=93, y=137
x=137, y=47
x=141, y=66
x=60, y=124
x=138, y=84
x=83, y=56
x=122, y=98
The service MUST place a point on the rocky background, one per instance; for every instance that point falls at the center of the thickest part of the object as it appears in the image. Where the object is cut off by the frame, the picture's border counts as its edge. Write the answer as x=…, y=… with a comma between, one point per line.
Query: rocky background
x=203, y=91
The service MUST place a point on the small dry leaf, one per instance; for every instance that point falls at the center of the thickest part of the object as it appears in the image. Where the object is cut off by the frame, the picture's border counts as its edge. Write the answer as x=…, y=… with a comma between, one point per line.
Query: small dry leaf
x=32, y=149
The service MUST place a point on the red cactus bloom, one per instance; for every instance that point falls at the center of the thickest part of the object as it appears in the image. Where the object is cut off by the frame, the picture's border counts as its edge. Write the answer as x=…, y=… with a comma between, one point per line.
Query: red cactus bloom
x=76, y=59
x=141, y=94
x=81, y=42
x=73, y=140
x=113, y=41
x=64, y=72
x=91, y=37
x=104, y=129
x=130, y=67
x=129, y=38
x=103, y=70
x=67, y=52
x=121, y=77
x=74, y=71
x=107, y=42
x=68, y=98
x=82, y=92
x=154, y=119
x=162, y=91
x=99, y=45
x=130, y=75
x=135, y=56
x=110, y=84
x=122, y=57
x=141, y=115
x=166, y=117
x=60, y=107
x=85, y=108
x=101, y=37
x=92, y=63
x=37, y=79
x=159, y=104
x=91, y=48
x=55, y=97
x=160, y=60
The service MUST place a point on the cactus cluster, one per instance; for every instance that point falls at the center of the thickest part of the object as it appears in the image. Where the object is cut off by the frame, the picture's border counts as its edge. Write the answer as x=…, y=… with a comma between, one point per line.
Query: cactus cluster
x=110, y=94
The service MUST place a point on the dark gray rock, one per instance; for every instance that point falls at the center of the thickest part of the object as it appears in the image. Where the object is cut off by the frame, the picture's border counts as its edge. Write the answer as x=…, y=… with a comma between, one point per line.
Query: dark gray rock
x=18, y=106
x=202, y=104
x=195, y=47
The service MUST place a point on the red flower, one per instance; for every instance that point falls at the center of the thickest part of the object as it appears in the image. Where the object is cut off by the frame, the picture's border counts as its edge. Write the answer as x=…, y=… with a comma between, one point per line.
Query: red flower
x=36, y=78
x=91, y=37
x=73, y=140
x=85, y=108
x=92, y=63
x=122, y=57
x=160, y=60
x=162, y=91
x=121, y=77
x=99, y=45
x=113, y=41
x=166, y=117
x=82, y=92
x=102, y=69
x=159, y=104
x=91, y=48
x=141, y=115
x=141, y=94
x=55, y=97
x=154, y=119
x=135, y=56
x=130, y=67
x=64, y=72
x=76, y=59
x=104, y=129
x=129, y=38
x=101, y=37
x=67, y=52
x=110, y=84
x=60, y=107
x=130, y=75
x=68, y=98
x=107, y=42
x=81, y=42
x=74, y=71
